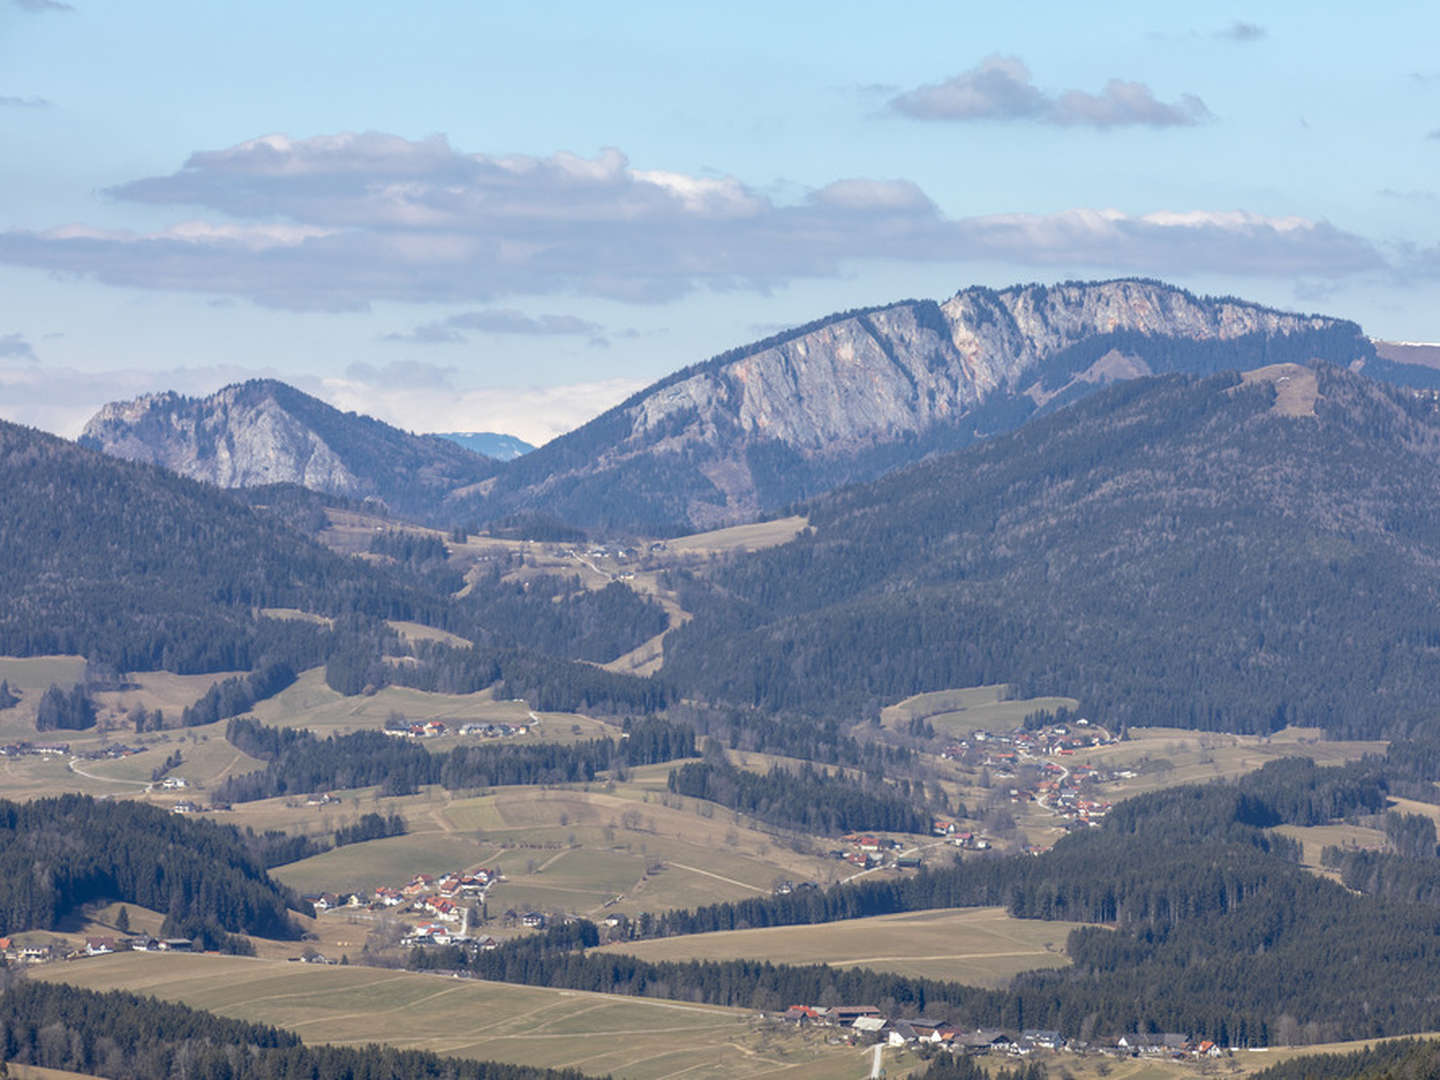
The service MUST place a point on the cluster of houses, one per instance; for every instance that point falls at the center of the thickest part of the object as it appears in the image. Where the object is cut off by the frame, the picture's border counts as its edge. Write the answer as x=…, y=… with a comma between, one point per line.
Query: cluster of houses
x=29, y=749
x=865, y=1023
x=1033, y=761
x=189, y=806
x=434, y=729
x=112, y=752
x=34, y=953
x=961, y=838
x=866, y=850
x=444, y=901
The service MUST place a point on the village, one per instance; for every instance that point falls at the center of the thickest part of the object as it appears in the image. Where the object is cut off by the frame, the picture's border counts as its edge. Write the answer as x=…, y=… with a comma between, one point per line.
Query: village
x=866, y=1025
x=1029, y=766
x=434, y=729
x=448, y=906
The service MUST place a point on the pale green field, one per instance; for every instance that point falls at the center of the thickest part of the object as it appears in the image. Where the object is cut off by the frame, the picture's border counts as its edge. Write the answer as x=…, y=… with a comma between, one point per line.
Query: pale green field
x=412, y=631
x=310, y=704
x=753, y=537
x=975, y=946
x=639, y=1038
x=1197, y=756
x=391, y=861
x=560, y=849
x=208, y=757
x=39, y=672
x=1315, y=838
x=973, y=708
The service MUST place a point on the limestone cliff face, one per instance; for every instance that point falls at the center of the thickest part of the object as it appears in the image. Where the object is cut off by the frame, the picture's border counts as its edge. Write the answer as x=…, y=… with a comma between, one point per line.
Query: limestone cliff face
x=264, y=432
x=859, y=388
x=235, y=438
x=838, y=401
x=899, y=370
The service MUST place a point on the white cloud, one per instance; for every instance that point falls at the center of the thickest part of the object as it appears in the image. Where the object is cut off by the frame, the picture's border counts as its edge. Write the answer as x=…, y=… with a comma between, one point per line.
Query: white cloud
x=1001, y=88
x=536, y=414
x=337, y=222
x=8, y=102
x=414, y=396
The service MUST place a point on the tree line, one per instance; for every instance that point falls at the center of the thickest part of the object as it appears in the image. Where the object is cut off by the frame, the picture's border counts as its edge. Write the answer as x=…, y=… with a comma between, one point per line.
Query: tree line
x=298, y=762
x=276, y=847
x=808, y=798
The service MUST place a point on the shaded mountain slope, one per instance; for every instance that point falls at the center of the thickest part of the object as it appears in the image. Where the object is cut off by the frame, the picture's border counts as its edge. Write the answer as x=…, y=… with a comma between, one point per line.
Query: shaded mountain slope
x=145, y=569
x=1200, y=552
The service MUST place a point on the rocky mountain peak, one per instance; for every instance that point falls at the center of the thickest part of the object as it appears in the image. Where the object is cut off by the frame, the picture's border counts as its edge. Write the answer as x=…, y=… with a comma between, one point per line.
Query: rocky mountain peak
x=266, y=432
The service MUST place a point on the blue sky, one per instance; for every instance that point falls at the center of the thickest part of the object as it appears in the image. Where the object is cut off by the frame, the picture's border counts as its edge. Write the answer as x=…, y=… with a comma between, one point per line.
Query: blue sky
x=479, y=216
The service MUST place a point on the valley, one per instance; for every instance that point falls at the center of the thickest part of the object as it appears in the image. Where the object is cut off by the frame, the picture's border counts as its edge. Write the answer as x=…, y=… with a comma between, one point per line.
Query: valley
x=1037, y=743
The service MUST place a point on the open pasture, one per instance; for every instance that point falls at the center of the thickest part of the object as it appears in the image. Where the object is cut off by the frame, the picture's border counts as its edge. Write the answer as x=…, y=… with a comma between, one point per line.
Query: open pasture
x=310, y=704
x=1316, y=838
x=39, y=672
x=752, y=537
x=560, y=849
x=975, y=946
x=1165, y=757
x=393, y=860
x=207, y=756
x=963, y=710
x=638, y=1038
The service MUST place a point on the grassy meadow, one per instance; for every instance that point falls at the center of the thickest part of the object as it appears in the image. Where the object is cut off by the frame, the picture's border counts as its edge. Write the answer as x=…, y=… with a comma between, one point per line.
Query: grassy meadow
x=976, y=946
x=634, y=1038
x=560, y=849
x=959, y=712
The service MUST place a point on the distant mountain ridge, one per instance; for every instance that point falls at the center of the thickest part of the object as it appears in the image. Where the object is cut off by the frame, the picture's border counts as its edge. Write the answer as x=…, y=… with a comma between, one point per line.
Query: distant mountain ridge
x=853, y=395
x=491, y=444
x=838, y=401
x=266, y=432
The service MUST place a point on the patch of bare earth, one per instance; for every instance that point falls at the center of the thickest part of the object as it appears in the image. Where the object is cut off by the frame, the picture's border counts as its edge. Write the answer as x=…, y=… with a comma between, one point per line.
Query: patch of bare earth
x=1296, y=388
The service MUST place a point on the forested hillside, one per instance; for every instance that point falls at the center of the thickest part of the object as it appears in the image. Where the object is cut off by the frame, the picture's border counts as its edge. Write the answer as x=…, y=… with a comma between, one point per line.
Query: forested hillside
x=58, y=854
x=145, y=570
x=1194, y=552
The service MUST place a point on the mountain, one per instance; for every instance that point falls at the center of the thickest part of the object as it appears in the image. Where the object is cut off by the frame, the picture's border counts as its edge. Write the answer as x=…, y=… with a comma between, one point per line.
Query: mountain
x=489, y=443
x=854, y=395
x=265, y=432
x=839, y=401
x=1224, y=552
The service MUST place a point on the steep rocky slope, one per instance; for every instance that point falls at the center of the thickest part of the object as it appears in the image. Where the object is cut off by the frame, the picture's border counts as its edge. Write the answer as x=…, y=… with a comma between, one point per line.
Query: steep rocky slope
x=265, y=432
x=851, y=396
x=839, y=401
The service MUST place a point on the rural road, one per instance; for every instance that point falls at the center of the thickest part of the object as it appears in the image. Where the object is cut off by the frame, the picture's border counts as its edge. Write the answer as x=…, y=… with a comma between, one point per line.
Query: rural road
x=904, y=854
x=717, y=877
x=105, y=779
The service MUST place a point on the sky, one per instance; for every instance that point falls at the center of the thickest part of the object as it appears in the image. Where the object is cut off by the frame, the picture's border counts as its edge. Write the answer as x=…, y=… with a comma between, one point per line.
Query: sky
x=507, y=217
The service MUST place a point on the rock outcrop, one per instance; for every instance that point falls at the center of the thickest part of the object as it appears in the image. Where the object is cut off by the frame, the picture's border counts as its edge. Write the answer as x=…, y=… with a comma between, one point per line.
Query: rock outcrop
x=849, y=397
x=265, y=432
